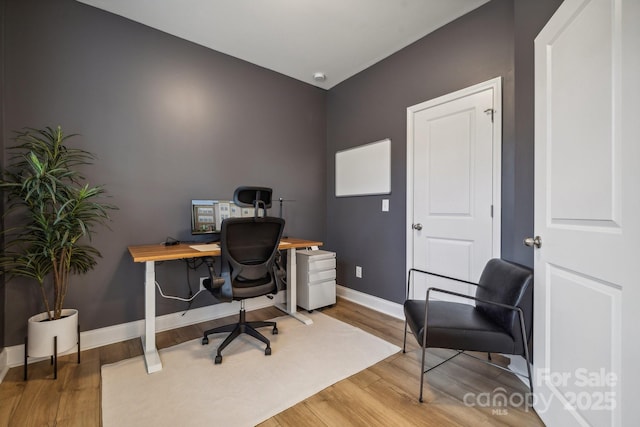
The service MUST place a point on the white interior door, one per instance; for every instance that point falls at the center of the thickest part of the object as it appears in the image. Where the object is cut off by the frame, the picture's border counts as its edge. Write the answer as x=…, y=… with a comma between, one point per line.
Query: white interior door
x=453, y=185
x=587, y=214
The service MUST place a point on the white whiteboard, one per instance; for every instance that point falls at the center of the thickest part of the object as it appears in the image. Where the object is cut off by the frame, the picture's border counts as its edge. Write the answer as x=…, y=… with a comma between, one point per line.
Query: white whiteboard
x=363, y=170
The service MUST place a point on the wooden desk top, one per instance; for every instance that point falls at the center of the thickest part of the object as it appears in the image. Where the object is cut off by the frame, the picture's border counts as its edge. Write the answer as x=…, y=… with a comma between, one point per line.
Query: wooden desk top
x=159, y=252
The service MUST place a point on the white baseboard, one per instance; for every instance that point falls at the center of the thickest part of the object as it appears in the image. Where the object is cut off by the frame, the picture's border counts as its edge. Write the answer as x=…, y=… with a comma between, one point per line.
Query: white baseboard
x=14, y=356
x=378, y=304
x=4, y=367
x=518, y=365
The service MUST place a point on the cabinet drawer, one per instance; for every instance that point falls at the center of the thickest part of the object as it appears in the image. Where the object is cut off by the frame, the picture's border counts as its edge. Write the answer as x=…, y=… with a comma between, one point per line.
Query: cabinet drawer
x=317, y=295
x=322, y=263
x=321, y=276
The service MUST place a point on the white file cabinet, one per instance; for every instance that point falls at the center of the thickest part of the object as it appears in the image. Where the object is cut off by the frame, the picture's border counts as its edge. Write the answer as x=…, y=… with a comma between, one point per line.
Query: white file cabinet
x=316, y=278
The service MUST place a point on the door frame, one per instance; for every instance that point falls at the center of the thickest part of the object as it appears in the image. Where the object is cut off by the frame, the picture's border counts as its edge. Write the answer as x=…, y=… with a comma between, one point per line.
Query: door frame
x=496, y=85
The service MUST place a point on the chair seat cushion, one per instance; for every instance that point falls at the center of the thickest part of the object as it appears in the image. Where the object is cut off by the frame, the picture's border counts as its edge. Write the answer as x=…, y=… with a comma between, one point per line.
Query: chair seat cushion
x=457, y=326
x=253, y=288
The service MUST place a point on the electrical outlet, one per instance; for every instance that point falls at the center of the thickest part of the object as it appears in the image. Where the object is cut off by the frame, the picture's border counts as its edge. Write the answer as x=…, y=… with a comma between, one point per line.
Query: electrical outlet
x=358, y=272
x=202, y=279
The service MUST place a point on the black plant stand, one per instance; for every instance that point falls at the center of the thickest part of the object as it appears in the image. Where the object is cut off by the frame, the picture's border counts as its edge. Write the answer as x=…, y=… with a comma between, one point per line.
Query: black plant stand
x=54, y=357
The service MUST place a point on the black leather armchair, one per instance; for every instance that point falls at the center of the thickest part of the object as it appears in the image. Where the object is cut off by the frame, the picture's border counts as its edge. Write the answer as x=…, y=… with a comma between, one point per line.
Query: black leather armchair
x=499, y=322
x=249, y=248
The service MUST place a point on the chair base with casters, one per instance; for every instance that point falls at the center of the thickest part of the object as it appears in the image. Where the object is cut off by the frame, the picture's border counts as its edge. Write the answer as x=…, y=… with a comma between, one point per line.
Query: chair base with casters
x=236, y=329
x=499, y=322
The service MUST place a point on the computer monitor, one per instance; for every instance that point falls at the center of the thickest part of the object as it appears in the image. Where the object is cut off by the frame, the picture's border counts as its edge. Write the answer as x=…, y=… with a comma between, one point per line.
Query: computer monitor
x=203, y=217
x=207, y=215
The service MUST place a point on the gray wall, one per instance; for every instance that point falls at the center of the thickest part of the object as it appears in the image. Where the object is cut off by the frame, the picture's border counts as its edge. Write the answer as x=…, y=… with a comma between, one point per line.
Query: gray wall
x=493, y=40
x=169, y=121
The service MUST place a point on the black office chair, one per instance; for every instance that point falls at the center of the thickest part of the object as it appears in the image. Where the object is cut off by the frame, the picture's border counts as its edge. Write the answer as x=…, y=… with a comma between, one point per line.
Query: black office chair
x=499, y=322
x=249, y=249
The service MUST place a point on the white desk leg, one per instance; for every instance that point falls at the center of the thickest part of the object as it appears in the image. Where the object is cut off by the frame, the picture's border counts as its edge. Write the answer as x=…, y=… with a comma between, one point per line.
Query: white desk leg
x=151, y=356
x=292, y=302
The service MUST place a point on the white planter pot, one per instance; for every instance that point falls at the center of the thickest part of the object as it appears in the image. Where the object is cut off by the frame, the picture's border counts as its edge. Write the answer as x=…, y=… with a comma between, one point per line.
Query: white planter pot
x=41, y=331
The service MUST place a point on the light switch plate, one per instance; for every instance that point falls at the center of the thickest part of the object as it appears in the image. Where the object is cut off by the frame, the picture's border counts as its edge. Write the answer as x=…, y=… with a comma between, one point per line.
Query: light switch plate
x=385, y=205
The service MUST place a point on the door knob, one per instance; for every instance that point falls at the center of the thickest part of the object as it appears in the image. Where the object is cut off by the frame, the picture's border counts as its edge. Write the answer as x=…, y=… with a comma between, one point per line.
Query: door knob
x=533, y=241
x=417, y=226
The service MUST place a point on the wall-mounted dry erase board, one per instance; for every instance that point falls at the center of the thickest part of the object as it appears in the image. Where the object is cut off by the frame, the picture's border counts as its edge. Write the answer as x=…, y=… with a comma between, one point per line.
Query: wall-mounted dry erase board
x=365, y=169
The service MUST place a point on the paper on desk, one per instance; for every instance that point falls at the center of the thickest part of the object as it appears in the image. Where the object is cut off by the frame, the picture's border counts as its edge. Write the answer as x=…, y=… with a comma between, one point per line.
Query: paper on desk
x=206, y=248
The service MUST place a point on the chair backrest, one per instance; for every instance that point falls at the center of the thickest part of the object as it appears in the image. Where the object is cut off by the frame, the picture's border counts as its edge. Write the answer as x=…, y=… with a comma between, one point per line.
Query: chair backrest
x=511, y=284
x=249, y=248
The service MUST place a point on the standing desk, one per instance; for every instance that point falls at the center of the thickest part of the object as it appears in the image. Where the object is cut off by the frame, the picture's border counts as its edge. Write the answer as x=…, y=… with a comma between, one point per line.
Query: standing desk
x=149, y=254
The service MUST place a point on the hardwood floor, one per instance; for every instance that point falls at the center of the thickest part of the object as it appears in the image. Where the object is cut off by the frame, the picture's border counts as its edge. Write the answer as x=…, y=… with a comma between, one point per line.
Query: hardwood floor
x=386, y=394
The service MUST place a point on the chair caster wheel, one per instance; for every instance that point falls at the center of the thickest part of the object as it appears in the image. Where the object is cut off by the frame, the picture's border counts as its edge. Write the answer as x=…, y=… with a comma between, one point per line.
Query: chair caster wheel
x=218, y=359
x=275, y=331
x=205, y=341
x=267, y=351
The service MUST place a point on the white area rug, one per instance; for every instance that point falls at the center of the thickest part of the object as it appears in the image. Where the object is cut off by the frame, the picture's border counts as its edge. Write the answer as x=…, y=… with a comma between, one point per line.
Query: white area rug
x=248, y=387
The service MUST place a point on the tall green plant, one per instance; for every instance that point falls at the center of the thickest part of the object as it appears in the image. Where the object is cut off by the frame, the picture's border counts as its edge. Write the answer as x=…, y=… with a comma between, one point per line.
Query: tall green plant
x=53, y=209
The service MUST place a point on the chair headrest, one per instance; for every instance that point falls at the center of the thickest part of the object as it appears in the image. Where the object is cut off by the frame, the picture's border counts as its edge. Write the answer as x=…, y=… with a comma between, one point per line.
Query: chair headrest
x=252, y=196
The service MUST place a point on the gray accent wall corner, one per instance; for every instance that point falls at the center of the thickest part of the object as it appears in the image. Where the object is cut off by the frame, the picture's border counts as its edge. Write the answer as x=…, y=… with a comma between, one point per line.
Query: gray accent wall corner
x=491, y=41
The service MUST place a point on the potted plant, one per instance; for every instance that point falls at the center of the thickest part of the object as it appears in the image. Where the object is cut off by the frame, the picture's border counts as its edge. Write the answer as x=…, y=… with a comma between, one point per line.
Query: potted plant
x=53, y=214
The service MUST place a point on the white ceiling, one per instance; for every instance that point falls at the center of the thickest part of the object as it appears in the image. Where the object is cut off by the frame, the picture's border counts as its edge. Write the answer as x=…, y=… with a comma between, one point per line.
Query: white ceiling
x=297, y=37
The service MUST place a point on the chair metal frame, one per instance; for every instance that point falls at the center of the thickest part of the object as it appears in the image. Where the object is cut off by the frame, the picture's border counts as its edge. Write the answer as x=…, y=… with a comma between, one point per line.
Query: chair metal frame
x=457, y=294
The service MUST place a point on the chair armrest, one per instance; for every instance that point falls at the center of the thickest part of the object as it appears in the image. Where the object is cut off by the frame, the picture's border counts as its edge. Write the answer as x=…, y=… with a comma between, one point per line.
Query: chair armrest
x=458, y=294
x=214, y=281
x=510, y=307
x=417, y=270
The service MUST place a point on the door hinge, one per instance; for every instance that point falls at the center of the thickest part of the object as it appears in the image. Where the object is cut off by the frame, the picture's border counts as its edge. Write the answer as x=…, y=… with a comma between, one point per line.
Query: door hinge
x=490, y=111
x=491, y=211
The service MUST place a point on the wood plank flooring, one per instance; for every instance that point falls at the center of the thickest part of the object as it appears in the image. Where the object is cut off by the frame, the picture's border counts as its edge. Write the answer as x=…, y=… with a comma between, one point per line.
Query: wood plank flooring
x=385, y=394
